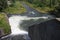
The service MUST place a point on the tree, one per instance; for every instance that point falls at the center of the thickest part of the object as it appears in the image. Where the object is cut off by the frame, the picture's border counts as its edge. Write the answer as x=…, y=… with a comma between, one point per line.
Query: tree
x=43, y=3
x=3, y=4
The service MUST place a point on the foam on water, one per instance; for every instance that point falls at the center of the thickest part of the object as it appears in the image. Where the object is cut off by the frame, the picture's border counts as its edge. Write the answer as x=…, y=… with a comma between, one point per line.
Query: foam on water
x=16, y=20
x=14, y=23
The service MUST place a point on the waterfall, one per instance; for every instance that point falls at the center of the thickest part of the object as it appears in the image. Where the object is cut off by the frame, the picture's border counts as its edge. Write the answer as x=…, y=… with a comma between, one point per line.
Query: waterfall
x=15, y=23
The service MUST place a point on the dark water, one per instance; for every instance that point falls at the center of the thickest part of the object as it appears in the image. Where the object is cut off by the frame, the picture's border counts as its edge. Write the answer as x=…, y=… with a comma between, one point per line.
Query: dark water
x=16, y=37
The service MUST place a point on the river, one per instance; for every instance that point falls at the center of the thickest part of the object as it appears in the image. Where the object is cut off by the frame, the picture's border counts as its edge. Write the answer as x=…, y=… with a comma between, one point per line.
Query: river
x=20, y=23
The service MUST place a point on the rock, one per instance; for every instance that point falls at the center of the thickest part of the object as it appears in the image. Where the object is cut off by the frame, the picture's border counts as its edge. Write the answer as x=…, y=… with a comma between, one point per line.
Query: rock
x=1, y=32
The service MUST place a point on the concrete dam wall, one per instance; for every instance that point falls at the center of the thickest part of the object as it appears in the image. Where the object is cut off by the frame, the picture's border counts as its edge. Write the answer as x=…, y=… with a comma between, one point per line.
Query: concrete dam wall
x=49, y=30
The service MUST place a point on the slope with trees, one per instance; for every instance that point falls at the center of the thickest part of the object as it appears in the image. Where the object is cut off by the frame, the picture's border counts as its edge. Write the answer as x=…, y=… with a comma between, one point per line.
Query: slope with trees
x=43, y=5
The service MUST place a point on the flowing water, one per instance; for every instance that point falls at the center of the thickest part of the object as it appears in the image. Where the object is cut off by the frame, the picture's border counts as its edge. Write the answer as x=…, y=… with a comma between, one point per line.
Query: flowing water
x=19, y=26
x=20, y=23
x=15, y=22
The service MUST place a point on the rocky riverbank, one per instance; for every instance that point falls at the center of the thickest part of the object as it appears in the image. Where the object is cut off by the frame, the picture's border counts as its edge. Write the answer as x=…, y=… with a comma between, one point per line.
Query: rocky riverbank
x=4, y=25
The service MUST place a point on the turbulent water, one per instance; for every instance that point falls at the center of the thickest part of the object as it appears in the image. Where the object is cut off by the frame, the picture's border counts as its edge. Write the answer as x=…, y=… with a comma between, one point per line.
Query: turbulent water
x=19, y=26
x=15, y=23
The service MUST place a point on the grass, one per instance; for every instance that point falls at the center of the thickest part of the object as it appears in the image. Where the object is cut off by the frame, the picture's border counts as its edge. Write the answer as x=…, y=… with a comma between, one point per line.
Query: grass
x=16, y=9
x=40, y=9
x=4, y=24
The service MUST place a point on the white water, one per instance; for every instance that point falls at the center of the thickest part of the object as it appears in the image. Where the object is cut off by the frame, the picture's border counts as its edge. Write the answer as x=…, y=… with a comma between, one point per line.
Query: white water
x=16, y=20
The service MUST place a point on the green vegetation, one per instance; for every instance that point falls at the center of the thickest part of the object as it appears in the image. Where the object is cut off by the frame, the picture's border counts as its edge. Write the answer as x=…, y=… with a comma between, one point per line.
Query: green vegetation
x=16, y=8
x=43, y=5
x=4, y=23
x=40, y=9
x=3, y=4
x=56, y=11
